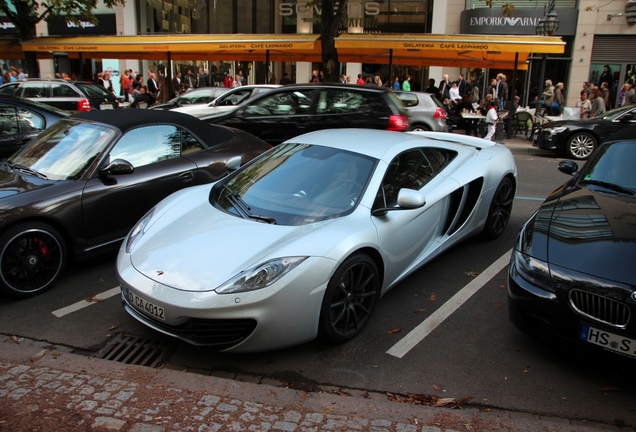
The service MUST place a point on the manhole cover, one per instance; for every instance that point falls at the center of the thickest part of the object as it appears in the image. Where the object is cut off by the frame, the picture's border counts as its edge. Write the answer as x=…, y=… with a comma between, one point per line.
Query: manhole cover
x=135, y=350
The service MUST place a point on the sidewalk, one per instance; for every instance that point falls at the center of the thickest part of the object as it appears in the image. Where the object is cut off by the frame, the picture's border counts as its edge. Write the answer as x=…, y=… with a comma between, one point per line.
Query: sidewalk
x=47, y=388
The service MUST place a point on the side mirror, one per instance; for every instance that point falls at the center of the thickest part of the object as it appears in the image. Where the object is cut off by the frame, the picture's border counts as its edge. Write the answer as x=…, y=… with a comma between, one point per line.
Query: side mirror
x=408, y=199
x=117, y=167
x=234, y=163
x=568, y=167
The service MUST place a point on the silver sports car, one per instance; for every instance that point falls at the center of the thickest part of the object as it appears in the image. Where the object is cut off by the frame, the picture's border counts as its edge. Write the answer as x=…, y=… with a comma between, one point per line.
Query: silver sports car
x=302, y=241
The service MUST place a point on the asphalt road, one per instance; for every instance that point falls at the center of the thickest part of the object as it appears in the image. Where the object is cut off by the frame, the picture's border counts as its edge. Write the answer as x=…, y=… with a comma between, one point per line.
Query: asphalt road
x=472, y=351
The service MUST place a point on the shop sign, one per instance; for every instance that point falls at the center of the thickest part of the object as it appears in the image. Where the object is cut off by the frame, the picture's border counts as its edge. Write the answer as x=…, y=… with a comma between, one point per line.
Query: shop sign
x=522, y=22
x=105, y=26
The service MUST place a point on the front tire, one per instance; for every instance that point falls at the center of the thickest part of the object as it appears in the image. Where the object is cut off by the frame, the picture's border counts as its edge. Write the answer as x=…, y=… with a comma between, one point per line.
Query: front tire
x=349, y=300
x=580, y=146
x=500, y=209
x=32, y=257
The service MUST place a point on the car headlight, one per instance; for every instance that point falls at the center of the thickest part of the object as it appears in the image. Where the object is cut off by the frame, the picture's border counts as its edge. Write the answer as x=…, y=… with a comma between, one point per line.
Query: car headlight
x=260, y=276
x=138, y=230
x=535, y=271
x=557, y=130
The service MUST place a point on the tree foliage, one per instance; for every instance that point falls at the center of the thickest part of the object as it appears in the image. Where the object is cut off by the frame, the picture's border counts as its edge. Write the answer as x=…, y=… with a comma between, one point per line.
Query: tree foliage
x=25, y=14
x=507, y=8
x=331, y=18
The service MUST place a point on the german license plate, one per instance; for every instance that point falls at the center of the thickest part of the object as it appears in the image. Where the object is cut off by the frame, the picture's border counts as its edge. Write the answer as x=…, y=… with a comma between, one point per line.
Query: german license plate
x=106, y=106
x=146, y=306
x=609, y=341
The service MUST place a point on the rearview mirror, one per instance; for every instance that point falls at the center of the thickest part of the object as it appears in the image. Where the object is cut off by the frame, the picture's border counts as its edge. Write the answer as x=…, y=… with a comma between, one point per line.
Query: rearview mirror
x=234, y=163
x=117, y=167
x=568, y=167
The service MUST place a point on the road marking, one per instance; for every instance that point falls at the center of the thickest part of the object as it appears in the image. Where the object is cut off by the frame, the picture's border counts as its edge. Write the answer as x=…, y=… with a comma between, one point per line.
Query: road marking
x=529, y=198
x=85, y=303
x=418, y=334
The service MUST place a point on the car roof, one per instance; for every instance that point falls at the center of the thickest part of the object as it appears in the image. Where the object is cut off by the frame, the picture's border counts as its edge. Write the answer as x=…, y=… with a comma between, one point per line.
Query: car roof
x=378, y=143
x=33, y=105
x=130, y=118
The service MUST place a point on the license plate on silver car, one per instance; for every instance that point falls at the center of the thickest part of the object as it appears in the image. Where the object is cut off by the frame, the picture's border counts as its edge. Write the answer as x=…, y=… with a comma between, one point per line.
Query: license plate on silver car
x=146, y=306
x=608, y=340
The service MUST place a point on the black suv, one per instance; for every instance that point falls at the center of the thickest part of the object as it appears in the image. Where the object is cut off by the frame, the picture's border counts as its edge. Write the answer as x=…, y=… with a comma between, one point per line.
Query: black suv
x=291, y=110
x=73, y=96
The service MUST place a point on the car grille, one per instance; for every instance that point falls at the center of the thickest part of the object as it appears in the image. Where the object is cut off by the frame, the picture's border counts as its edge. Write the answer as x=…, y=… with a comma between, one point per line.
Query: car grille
x=599, y=308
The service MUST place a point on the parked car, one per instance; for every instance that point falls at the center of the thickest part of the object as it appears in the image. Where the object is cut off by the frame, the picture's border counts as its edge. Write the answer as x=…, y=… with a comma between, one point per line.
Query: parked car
x=309, y=235
x=80, y=186
x=293, y=109
x=577, y=139
x=426, y=112
x=572, y=278
x=21, y=120
x=72, y=96
x=201, y=95
x=228, y=101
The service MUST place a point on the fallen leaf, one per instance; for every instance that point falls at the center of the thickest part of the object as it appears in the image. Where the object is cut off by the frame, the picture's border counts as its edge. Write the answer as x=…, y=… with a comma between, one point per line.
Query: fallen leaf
x=564, y=398
x=432, y=297
x=395, y=330
x=502, y=287
x=420, y=311
x=485, y=410
x=436, y=388
x=17, y=339
x=471, y=274
x=609, y=389
x=93, y=299
x=114, y=327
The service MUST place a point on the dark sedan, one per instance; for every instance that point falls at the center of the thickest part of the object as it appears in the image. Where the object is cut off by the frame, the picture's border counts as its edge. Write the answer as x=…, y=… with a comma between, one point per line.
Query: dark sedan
x=577, y=139
x=79, y=187
x=21, y=120
x=290, y=110
x=572, y=276
x=201, y=95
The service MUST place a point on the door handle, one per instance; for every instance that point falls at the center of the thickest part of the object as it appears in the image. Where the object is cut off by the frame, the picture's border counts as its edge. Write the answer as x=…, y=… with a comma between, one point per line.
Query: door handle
x=186, y=176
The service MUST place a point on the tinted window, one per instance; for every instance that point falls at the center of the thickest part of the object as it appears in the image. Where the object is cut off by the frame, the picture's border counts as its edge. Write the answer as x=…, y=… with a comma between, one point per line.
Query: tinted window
x=62, y=90
x=345, y=101
x=286, y=103
x=147, y=145
x=408, y=99
x=29, y=121
x=9, y=89
x=8, y=120
x=92, y=89
x=234, y=97
x=190, y=143
x=411, y=169
x=33, y=90
x=613, y=164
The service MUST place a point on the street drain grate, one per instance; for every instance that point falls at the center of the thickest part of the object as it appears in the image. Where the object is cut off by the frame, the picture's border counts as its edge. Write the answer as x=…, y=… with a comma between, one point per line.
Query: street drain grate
x=135, y=350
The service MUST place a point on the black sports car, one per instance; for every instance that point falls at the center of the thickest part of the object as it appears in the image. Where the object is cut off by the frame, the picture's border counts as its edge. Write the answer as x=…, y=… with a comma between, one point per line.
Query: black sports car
x=82, y=184
x=577, y=139
x=572, y=275
x=22, y=119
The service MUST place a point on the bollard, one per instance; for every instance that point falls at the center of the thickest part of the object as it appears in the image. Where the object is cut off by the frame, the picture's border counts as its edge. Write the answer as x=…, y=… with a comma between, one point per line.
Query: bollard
x=499, y=132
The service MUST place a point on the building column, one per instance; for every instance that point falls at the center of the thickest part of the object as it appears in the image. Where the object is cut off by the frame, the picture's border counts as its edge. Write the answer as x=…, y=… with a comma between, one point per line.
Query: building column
x=303, y=69
x=354, y=69
x=581, y=51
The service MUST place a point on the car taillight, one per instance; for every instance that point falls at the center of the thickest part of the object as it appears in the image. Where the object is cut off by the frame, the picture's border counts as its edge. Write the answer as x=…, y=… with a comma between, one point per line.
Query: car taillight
x=398, y=123
x=83, y=105
x=439, y=113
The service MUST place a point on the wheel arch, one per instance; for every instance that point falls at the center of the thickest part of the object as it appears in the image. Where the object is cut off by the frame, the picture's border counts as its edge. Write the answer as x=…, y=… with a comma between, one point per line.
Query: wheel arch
x=374, y=254
x=71, y=247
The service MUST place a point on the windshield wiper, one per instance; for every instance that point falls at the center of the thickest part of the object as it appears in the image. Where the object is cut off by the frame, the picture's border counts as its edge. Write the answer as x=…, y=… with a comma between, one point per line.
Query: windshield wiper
x=611, y=186
x=242, y=208
x=26, y=170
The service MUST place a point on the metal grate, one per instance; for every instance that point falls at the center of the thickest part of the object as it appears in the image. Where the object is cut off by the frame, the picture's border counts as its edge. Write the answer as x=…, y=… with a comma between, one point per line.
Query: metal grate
x=136, y=350
x=600, y=308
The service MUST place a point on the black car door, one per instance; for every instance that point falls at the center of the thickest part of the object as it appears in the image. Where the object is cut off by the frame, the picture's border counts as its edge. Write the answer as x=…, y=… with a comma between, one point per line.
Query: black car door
x=113, y=203
x=277, y=116
x=347, y=107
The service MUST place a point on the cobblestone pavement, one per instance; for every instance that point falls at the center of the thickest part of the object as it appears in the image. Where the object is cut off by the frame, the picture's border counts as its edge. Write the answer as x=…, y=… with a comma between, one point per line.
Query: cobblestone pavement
x=47, y=388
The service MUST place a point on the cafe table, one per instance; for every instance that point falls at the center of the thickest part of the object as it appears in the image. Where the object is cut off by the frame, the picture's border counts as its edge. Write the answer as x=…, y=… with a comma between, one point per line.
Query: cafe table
x=472, y=119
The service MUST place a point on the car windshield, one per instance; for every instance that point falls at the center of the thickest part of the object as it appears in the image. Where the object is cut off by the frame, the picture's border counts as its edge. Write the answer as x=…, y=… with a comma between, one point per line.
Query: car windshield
x=296, y=184
x=613, y=168
x=65, y=150
x=200, y=96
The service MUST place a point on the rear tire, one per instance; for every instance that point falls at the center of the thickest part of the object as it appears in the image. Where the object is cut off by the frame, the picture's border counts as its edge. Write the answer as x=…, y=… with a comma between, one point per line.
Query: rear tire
x=420, y=128
x=32, y=257
x=349, y=300
x=500, y=209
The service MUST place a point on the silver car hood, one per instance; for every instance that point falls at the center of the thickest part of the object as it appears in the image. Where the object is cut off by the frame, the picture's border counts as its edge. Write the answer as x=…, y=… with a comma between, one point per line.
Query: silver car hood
x=200, y=247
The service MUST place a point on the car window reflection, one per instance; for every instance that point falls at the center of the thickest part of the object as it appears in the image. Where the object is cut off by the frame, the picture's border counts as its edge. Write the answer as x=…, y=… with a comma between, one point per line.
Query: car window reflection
x=148, y=145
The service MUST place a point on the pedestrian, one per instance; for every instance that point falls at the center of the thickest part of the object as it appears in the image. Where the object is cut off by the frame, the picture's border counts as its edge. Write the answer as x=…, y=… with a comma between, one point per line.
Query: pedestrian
x=630, y=96
x=189, y=80
x=606, y=77
x=285, y=79
x=559, y=100
x=237, y=81
x=204, y=78
x=396, y=83
x=228, y=81
x=491, y=120
x=444, y=88
x=377, y=80
x=605, y=91
x=360, y=80
x=431, y=88
x=584, y=105
x=152, y=87
x=548, y=96
x=598, y=104
x=406, y=85
x=125, y=83
x=143, y=98
x=502, y=91
x=176, y=83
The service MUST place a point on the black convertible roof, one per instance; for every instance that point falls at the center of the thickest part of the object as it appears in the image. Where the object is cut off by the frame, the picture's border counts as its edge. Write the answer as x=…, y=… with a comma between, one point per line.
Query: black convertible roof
x=129, y=118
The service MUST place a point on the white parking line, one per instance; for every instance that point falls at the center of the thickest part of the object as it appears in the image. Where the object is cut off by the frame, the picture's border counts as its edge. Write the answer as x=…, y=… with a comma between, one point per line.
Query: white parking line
x=84, y=303
x=416, y=335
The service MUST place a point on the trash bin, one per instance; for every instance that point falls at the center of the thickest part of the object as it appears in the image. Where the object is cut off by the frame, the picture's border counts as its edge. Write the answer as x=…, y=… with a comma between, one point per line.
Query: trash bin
x=499, y=133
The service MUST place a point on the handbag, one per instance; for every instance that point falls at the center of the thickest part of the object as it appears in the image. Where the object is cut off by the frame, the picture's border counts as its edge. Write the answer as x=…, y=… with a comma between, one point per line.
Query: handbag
x=555, y=106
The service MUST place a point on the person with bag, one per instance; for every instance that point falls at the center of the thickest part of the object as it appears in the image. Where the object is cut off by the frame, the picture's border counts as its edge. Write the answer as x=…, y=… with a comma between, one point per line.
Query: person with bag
x=548, y=96
x=559, y=100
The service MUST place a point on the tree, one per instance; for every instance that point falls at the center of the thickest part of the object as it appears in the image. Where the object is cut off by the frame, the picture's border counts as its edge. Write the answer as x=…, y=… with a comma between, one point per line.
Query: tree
x=25, y=14
x=331, y=18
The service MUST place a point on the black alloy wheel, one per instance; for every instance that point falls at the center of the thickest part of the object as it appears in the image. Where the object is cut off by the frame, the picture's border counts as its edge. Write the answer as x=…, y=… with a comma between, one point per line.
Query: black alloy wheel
x=349, y=299
x=32, y=257
x=500, y=210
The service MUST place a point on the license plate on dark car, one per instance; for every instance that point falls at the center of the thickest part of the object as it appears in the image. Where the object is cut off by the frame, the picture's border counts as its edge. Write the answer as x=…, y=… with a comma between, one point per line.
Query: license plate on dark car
x=607, y=340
